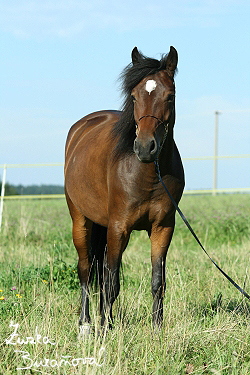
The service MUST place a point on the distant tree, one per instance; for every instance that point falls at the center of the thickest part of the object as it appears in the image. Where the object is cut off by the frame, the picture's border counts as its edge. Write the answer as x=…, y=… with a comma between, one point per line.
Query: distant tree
x=9, y=189
x=32, y=189
x=39, y=189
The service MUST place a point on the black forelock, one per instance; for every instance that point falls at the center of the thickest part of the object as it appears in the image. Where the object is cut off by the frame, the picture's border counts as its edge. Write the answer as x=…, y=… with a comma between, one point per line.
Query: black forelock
x=132, y=75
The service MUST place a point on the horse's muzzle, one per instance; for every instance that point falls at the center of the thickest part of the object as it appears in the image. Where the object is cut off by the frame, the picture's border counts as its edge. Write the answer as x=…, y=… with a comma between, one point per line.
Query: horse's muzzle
x=146, y=151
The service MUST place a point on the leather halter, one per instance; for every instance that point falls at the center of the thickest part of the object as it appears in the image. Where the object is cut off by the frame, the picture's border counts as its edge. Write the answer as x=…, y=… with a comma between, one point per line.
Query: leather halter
x=160, y=122
x=156, y=118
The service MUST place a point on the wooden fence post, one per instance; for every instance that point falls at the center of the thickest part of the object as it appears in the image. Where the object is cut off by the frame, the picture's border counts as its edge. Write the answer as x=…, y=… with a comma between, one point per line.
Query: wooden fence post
x=2, y=194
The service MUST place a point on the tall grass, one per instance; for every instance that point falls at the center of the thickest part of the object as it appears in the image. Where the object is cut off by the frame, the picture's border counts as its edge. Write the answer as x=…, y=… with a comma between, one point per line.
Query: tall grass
x=206, y=320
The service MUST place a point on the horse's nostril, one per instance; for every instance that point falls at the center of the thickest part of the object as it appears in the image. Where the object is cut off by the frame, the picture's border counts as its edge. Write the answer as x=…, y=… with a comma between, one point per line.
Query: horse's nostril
x=153, y=147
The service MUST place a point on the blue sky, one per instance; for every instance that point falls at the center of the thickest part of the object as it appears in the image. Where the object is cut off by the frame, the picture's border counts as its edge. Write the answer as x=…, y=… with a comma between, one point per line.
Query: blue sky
x=60, y=60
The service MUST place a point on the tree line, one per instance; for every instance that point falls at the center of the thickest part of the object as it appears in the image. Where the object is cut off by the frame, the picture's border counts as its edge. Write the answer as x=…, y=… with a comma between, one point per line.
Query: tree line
x=31, y=189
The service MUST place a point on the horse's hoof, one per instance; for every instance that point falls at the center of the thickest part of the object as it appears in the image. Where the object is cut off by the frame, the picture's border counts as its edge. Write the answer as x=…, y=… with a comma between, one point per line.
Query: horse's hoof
x=84, y=331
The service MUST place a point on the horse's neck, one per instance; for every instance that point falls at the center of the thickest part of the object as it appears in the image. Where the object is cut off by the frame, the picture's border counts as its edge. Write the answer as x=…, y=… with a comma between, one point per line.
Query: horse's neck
x=166, y=156
x=169, y=160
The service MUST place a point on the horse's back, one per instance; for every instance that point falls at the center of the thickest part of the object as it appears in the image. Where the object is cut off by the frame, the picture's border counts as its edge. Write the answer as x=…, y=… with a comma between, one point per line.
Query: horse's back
x=88, y=123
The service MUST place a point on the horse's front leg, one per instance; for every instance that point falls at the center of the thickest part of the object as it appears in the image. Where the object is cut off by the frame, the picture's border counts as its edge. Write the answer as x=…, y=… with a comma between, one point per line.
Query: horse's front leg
x=160, y=240
x=81, y=232
x=117, y=239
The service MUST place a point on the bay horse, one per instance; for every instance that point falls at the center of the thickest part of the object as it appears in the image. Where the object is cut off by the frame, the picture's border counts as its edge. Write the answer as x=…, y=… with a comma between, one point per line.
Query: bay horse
x=111, y=186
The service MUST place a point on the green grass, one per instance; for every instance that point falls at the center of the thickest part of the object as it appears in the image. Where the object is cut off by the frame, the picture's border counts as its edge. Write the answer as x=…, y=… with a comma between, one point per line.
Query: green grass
x=206, y=320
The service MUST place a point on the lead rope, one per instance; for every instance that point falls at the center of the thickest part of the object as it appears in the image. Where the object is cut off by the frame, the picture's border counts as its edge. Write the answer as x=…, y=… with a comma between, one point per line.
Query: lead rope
x=157, y=169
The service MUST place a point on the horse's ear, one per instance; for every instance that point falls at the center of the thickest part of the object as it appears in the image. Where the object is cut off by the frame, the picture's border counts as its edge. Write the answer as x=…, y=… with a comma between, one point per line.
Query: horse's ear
x=135, y=56
x=172, y=60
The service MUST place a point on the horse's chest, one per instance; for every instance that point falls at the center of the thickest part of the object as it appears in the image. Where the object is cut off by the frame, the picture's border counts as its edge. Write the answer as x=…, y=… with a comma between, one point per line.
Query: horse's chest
x=150, y=207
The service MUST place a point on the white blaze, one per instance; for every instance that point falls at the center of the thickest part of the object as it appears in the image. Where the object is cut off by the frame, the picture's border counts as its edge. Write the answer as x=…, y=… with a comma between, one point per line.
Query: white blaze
x=150, y=85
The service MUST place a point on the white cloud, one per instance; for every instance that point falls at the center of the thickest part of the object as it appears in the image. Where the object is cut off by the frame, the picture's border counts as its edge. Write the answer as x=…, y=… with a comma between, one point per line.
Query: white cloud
x=65, y=18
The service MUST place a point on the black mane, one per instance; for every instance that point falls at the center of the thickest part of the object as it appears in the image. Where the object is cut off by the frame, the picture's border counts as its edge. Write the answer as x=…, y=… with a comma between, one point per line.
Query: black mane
x=131, y=76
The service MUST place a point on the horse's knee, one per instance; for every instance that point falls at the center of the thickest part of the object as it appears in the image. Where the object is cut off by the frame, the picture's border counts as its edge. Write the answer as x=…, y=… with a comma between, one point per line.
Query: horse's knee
x=83, y=269
x=111, y=285
x=157, y=287
x=81, y=238
x=158, y=279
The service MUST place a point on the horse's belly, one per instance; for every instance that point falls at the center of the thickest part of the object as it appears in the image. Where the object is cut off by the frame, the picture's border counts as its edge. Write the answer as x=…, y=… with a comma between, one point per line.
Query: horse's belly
x=87, y=195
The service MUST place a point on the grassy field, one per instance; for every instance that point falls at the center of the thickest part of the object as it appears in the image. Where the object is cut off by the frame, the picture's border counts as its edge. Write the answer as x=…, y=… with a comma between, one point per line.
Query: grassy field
x=206, y=327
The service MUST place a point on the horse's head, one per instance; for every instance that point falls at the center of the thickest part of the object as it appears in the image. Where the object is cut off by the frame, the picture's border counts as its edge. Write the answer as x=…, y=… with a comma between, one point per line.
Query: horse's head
x=154, y=108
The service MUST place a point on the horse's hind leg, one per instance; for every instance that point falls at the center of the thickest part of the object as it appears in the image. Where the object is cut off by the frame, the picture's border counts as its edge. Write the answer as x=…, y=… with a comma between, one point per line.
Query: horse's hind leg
x=98, y=245
x=160, y=240
x=81, y=237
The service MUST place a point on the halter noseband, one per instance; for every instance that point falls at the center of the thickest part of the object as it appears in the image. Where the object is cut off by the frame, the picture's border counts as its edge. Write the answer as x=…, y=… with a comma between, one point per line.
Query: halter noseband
x=159, y=120
x=156, y=118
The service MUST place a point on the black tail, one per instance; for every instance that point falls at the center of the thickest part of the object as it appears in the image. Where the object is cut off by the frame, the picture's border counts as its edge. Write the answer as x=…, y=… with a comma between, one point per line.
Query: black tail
x=98, y=245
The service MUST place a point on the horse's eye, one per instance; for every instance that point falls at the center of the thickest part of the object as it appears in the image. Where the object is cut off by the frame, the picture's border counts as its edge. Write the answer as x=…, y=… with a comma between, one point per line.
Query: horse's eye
x=134, y=100
x=170, y=98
